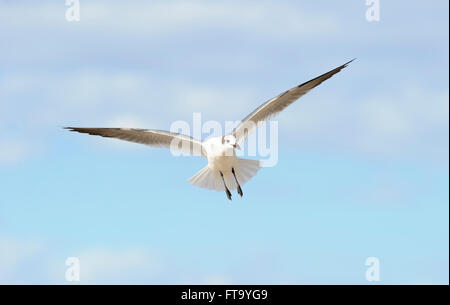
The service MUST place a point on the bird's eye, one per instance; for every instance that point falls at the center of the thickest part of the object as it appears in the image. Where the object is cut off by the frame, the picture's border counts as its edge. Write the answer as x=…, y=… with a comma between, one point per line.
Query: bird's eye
x=228, y=141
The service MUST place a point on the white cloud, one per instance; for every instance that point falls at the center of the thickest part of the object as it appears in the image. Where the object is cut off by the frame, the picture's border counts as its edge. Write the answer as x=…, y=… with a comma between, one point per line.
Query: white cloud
x=405, y=118
x=127, y=266
x=396, y=124
x=410, y=121
x=397, y=121
x=94, y=98
x=214, y=102
x=15, y=257
x=32, y=262
x=28, y=261
x=126, y=122
x=13, y=151
x=277, y=20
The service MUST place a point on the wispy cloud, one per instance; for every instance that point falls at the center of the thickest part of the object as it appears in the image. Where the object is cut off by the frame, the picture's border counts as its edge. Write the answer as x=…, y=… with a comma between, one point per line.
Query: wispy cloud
x=13, y=151
x=127, y=266
x=28, y=262
x=17, y=258
x=266, y=18
x=397, y=124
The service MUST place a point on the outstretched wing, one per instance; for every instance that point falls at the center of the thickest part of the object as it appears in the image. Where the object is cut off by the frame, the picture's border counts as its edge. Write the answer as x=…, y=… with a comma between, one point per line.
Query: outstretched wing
x=151, y=137
x=278, y=103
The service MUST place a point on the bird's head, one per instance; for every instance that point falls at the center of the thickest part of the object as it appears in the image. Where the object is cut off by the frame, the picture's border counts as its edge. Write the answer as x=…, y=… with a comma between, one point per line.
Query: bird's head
x=230, y=140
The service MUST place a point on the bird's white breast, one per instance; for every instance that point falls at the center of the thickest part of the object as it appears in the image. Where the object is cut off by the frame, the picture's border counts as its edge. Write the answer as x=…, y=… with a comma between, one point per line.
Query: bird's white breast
x=220, y=157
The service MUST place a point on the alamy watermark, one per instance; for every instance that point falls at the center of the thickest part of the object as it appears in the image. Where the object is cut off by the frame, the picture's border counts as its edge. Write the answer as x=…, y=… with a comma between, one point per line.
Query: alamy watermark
x=373, y=10
x=373, y=270
x=261, y=138
x=73, y=10
x=73, y=270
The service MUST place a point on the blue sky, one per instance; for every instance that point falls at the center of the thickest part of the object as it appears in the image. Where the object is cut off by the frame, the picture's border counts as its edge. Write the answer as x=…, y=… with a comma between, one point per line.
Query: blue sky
x=363, y=159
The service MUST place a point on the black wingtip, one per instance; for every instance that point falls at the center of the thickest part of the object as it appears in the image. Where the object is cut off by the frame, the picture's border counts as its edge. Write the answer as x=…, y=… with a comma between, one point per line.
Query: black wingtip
x=73, y=129
x=347, y=63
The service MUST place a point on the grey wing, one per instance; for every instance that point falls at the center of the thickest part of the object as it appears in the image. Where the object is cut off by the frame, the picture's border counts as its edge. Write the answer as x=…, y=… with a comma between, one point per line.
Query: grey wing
x=278, y=103
x=151, y=137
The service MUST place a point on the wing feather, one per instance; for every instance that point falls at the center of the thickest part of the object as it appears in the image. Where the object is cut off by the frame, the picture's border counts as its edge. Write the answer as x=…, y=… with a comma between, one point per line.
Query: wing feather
x=278, y=103
x=151, y=137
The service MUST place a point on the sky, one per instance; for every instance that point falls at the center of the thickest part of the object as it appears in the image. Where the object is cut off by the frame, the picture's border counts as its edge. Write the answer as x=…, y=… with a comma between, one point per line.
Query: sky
x=363, y=159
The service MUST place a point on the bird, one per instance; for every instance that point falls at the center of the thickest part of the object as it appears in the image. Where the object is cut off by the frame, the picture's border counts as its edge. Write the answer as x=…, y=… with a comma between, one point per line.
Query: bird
x=225, y=171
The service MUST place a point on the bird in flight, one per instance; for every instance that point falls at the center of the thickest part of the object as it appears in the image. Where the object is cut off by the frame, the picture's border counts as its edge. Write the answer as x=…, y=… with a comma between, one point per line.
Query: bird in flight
x=225, y=171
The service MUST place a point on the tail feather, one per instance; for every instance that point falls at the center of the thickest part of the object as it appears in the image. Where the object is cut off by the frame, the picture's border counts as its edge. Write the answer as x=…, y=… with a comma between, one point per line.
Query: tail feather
x=211, y=179
x=206, y=178
x=246, y=170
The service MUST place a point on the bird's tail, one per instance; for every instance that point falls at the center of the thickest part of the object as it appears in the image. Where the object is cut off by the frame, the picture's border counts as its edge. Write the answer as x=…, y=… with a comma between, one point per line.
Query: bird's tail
x=211, y=179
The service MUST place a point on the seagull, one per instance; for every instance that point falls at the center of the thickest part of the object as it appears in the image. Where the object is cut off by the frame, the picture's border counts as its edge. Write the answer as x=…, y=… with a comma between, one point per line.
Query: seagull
x=224, y=171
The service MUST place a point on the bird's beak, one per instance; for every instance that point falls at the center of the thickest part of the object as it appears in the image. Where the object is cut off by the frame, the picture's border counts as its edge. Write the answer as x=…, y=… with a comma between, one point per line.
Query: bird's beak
x=237, y=146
